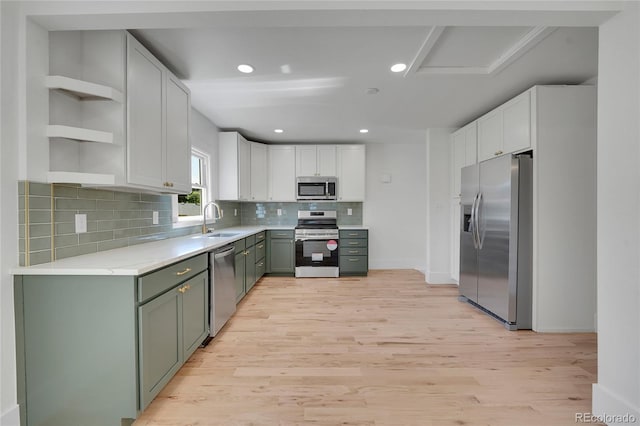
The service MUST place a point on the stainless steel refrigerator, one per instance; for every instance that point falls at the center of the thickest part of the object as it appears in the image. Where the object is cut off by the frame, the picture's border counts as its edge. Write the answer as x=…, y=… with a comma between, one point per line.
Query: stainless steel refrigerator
x=496, y=238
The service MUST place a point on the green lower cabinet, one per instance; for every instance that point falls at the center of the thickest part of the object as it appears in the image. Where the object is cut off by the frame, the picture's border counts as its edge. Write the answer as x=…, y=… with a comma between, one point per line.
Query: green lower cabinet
x=281, y=253
x=240, y=276
x=160, y=345
x=172, y=326
x=354, y=254
x=260, y=268
x=96, y=350
x=250, y=268
x=195, y=314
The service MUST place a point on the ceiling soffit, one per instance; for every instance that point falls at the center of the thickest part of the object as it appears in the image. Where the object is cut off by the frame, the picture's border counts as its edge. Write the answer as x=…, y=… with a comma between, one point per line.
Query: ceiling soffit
x=474, y=50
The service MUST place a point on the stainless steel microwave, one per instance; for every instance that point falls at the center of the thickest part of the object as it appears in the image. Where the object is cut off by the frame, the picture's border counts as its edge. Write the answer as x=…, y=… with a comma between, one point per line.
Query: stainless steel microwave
x=316, y=188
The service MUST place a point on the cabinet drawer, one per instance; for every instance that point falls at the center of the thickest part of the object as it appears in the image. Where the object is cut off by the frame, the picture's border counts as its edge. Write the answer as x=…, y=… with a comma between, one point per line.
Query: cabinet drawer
x=158, y=282
x=240, y=245
x=250, y=240
x=354, y=265
x=353, y=251
x=260, y=236
x=353, y=233
x=260, y=268
x=260, y=249
x=282, y=234
x=348, y=242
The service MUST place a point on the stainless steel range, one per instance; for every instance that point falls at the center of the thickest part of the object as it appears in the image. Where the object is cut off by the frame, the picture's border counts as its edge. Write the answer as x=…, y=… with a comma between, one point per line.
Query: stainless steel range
x=317, y=244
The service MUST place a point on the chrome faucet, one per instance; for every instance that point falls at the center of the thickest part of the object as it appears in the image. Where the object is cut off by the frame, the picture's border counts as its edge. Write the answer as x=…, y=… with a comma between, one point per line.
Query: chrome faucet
x=215, y=217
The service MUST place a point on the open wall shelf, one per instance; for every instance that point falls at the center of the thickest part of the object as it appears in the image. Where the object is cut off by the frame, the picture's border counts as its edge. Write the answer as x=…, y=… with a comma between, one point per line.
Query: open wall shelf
x=83, y=90
x=79, y=134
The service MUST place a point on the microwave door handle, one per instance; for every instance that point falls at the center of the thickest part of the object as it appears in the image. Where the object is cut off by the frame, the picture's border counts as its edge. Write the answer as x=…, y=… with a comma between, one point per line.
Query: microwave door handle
x=326, y=188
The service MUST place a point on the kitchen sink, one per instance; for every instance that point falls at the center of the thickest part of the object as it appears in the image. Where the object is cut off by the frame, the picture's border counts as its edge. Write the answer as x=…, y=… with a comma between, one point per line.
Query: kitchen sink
x=223, y=234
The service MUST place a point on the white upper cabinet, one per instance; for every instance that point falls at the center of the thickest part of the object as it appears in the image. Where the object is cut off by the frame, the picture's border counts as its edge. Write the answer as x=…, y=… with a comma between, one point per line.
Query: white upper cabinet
x=178, y=146
x=145, y=100
x=158, y=144
x=316, y=160
x=463, y=153
x=351, y=172
x=282, y=173
x=258, y=171
x=234, y=167
x=506, y=129
x=517, y=123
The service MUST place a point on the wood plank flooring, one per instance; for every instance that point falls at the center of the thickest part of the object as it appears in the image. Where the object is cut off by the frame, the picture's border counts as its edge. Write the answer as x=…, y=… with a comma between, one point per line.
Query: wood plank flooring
x=387, y=349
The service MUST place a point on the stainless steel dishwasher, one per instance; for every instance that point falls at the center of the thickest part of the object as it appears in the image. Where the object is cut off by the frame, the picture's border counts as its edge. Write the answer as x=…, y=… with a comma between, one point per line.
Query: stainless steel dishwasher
x=223, y=293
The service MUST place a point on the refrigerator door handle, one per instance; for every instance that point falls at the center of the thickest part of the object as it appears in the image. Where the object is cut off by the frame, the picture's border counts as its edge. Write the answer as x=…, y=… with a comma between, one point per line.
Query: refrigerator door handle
x=472, y=222
x=477, y=220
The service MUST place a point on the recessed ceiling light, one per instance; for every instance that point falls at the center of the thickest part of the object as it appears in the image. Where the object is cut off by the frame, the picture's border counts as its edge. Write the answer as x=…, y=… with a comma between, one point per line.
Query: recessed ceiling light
x=364, y=130
x=399, y=67
x=245, y=68
x=279, y=131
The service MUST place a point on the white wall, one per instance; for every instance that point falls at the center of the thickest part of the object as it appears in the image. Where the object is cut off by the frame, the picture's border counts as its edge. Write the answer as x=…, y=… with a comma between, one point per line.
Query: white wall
x=395, y=211
x=618, y=387
x=204, y=137
x=438, y=209
x=9, y=137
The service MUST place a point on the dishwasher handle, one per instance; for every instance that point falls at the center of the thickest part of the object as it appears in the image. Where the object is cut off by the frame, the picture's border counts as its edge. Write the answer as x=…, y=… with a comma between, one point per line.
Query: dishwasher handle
x=224, y=253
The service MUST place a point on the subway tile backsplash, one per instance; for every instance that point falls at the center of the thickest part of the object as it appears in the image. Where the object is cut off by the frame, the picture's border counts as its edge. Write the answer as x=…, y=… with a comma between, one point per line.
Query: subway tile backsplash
x=119, y=219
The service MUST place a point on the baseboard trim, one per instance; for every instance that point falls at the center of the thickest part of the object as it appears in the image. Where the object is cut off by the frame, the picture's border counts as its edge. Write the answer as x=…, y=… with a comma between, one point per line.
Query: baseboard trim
x=612, y=408
x=438, y=278
x=11, y=417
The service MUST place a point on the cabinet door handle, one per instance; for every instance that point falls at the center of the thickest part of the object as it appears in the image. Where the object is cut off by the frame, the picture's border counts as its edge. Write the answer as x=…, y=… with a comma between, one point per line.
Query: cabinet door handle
x=186, y=271
x=182, y=290
x=497, y=153
x=261, y=246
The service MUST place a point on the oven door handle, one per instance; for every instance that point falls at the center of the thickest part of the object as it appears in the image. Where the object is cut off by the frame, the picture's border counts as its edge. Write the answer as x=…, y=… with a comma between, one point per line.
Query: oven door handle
x=316, y=239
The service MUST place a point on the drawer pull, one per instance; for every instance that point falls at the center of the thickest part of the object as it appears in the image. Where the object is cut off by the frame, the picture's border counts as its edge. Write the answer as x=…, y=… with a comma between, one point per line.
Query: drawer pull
x=353, y=243
x=354, y=260
x=186, y=271
x=261, y=264
x=261, y=246
x=182, y=290
x=353, y=251
x=353, y=234
x=497, y=153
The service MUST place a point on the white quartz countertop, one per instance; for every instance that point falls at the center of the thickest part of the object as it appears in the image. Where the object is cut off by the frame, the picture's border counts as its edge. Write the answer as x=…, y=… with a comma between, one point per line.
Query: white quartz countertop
x=143, y=258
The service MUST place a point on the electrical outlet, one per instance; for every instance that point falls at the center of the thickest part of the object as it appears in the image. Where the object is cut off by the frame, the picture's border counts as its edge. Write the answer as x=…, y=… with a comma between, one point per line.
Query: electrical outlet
x=349, y=212
x=156, y=218
x=235, y=212
x=81, y=223
x=279, y=212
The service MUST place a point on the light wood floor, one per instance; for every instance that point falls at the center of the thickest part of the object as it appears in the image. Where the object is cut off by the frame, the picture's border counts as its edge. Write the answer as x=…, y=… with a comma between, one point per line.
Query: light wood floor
x=383, y=350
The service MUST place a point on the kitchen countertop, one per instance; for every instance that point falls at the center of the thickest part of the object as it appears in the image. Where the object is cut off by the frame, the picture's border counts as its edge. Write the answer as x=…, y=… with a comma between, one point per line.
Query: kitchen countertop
x=142, y=258
x=139, y=259
x=346, y=227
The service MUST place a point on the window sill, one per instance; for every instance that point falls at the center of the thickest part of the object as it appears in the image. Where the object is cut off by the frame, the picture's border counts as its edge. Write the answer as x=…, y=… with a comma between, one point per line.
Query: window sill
x=185, y=222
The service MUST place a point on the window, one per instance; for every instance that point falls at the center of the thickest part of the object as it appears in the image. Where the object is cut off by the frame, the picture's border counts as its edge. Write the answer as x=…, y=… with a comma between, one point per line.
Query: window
x=188, y=208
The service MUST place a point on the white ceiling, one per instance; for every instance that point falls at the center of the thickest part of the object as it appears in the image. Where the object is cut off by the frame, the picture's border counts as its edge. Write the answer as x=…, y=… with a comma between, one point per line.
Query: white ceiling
x=315, y=60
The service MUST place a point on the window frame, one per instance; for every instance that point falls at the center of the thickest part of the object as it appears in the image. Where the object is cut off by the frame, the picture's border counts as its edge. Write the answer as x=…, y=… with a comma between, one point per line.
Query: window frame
x=205, y=191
